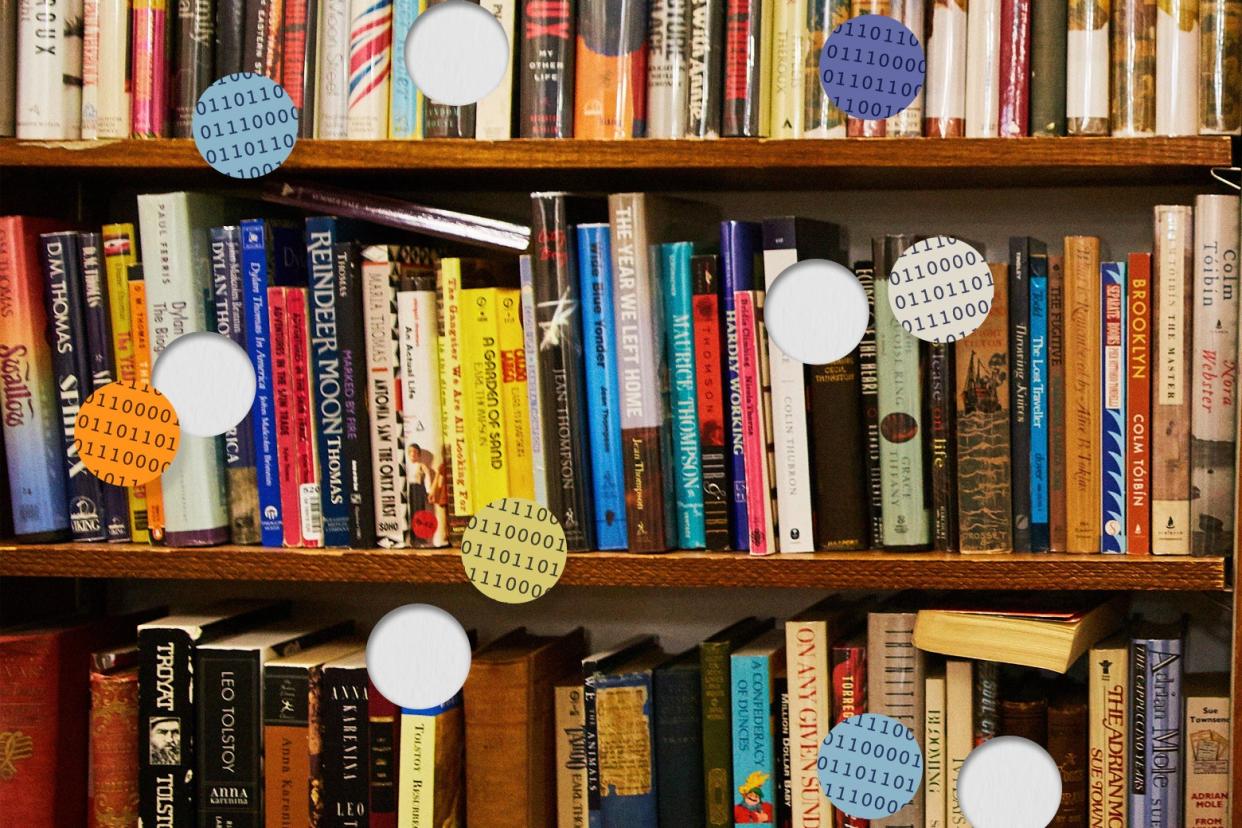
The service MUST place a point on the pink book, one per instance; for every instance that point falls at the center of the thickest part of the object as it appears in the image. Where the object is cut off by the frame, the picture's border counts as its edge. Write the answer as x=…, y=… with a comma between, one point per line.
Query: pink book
x=282, y=394
x=749, y=306
x=149, y=70
x=1015, y=68
x=306, y=472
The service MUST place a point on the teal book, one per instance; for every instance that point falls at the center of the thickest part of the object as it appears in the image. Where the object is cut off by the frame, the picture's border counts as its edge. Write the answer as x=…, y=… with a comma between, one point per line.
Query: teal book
x=678, y=286
x=753, y=670
x=405, y=102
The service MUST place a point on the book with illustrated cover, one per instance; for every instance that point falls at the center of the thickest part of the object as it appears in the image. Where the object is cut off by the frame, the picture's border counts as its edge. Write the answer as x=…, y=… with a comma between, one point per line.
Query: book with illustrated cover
x=370, y=70
x=709, y=386
x=261, y=38
x=1140, y=359
x=677, y=282
x=1113, y=410
x=1082, y=393
x=610, y=70
x=755, y=669
x=624, y=707
x=1208, y=729
x=848, y=663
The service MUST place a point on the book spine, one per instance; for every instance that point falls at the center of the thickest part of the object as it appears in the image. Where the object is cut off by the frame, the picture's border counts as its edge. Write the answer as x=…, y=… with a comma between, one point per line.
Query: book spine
x=1219, y=113
x=784, y=762
x=1040, y=406
x=858, y=127
x=758, y=504
x=49, y=85
x=986, y=701
x=946, y=72
x=392, y=525
x=239, y=453
x=895, y=684
x=1138, y=404
x=557, y=306
x=405, y=106
x=810, y=703
x=841, y=496
x=63, y=292
x=259, y=344
x=935, y=778
x=194, y=71
x=546, y=100
x=869, y=385
x=742, y=68
x=848, y=663
x=1139, y=762
x=908, y=123
x=534, y=402
x=454, y=389
x=941, y=416
x=421, y=410
x=959, y=732
x=1177, y=68
x=1082, y=393
x=1113, y=415
x=113, y=761
x=90, y=69
x=571, y=810
x=1171, y=394
x=494, y=111
x=370, y=42
x=706, y=54
x=738, y=242
x=709, y=378
x=1067, y=745
x=1057, y=443
x=261, y=38
x=625, y=701
x=230, y=731
x=230, y=36
x=1086, y=70
x=286, y=745
x=297, y=60
x=1207, y=731
x=983, y=427
x=1015, y=68
x=983, y=35
x=383, y=757
x=678, y=288
x=590, y=742
x=717, y=733
x=599, y=330
x=1213, y=422
x=332, y=80
x=1019, y=300
x=515, y=399
x=166, y=746
x=668, y=90
x=153, y=491
x=1048, y=42
x=610, y=76
x=150, y=72
x=754, y=757
x=345, y=738
x=119, y=254
x=821, y=118
x=785, y=90
x=1134, y=68
x=8, y=60
x=489, y=471
x=444, y=120
x=307, y=475
x=282, y=392
x=1108, y=711
x=678, y=746
x=1156, y=784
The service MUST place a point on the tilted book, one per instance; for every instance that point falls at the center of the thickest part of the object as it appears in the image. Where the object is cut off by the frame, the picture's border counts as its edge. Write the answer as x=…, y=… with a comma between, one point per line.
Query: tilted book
x=534, y=403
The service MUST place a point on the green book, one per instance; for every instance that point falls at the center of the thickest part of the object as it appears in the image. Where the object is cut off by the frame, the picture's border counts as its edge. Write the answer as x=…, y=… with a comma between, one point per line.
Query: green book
x=717, y=707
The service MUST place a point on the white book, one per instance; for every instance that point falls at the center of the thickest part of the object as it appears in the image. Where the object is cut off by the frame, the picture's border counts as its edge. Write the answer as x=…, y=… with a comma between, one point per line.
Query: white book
x=983, y=69
x=418, y=322
x=369, y=76
x=908, y=123
x=332, y=62
x=49, y=69
x=90, y=69
x=539, y=465
x=8, y=68
x=935, y=779
x=959, y=731
x=176, y=248
x=946, y=64
x=1177, y=68
x=112, y=101
x=493, y=115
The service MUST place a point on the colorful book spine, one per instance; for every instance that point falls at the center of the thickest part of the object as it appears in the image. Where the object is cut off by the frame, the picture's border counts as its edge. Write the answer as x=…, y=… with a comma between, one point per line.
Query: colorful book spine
x=762, y=520
x=149, y=64
x=282, y=393
x=1171, y=394
x=154, y=490
x=746, y=107
x=754, y=737
x=405, y=103
x=1113, y=407
x=705, y=69
x=1108, y=712
x=1086, y=69
x=1082, y=393
x=599, y=331
x=1219, y=72
x=678, y=289
x=945, y=115
x=668, y=87
x=453, y=386
x=983, y=36
x=1134, y=68
x=1177, y=68
x=194, y=70
x=546, y=85
x=1048, y=40
x=480, y=330
x=89, y=125
x=1207, y=732
x=1019, y=300
x=493, y=117
x=1057, y=443
x=610, y=85
x=1138, y=404
x=307, y=474
x=869, y=385
x=297, y=72
x=709, y=386
x=49, y=85
x=908, y=123
x=445, y=120
x=370, y=47
x=821, y=118
x=1156, y=731
x=1213, y=429
x=333, y=77
x=808, y=654
x=739, y=245
x=356, y=442
x=1015, y=68
x=785, y=87
x=515, y=384
x=538, y=465
x=1040, y=408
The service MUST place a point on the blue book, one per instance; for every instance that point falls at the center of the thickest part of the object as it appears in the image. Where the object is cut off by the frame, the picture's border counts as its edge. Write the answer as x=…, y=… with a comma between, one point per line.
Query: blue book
x=740, y=243
x=1113, y=406
x=678, y=287
x=1156, y=726
x=405, y=101
x=1040, y=410
x=599, y=331
x=618, y=709
x=752, y=670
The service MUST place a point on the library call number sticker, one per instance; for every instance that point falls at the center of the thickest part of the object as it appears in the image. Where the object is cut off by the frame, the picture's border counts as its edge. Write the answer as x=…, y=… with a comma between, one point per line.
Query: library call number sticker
x=126, y=433
x=513, y=550
x=872, y=67
x=245, y=125
x=870, y=766
x=940, y=289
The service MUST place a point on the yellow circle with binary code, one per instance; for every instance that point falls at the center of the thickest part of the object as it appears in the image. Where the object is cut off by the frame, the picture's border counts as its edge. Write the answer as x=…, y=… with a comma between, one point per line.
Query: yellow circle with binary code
x=245, y=125
x=513, y=550
x=126, y=433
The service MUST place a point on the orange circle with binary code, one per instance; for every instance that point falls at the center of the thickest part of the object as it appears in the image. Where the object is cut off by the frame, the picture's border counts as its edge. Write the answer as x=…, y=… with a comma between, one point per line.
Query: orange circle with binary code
x=245, y=125
x=127, y=433
x=513, y=550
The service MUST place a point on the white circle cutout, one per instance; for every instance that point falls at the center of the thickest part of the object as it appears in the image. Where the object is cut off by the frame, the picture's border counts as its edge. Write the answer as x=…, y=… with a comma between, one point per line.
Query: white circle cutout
x=1009, y=782
x=816, y=311
x=418, y=656
x=209, y=380
x=456, y=52
x=940, y=289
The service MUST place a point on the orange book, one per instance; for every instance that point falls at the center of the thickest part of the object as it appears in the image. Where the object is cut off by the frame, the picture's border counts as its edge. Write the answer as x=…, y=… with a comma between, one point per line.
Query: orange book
x=1082, y=393
x=152, y=491
x=610, y=90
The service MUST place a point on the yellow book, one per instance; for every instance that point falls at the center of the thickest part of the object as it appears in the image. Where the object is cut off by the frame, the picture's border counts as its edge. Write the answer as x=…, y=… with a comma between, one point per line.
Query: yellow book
x=453, y=389
x=153, y=492
x=788, y=68
x=514, y=398
x=432, y=762
x=485, y=415
x=959, y=731
x=768, y=9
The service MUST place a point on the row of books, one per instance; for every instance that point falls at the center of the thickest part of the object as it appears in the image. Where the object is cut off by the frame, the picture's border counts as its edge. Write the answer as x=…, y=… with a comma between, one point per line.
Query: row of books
x=281, y=725
x=400, y=391
x=659, y=69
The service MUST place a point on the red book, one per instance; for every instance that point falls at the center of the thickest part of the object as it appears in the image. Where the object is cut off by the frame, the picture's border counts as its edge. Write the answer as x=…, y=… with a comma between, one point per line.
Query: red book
x=282, y=394
x=112, y=798
x=1015, y=68
x=294, y=35
x=149, y=69
x=384, y=729
x=306, y=469
x=849, y=698
x=861, y=128
x=1138, y=407
x=709, y=389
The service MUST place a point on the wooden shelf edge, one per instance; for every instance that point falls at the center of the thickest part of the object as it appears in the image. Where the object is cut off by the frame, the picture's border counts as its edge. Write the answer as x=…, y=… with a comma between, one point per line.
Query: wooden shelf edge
x=829, y=570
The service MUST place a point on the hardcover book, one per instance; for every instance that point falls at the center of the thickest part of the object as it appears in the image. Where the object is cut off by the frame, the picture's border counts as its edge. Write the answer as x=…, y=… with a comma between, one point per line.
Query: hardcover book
x=668, y=64
x=610, y=88
x=709, y=387
x=983, y=71
x=1207, y=732
x=1086, y=70
x=1015, y=68
x=958, y=731
x=945, y=113
x=1113, y=413
x=546, y=102
x=444, y=120
x=1082, y=393
x=1156, y=735
x=1057, y=528
x=432, y=766
x=405, y=100
x=343, y=742
x=571, y=805
x=1133, y=68
x=677, y=282
x=194, y=70
x=895, y=685
x=705, y=68
x=1140, y=360
x=754, y=669
x=1067, y=745
x=747, y=68
x=112, y=795
x=383, y=758
x=493, y=117
x=1048, y=41
x=1108, y=703
x=677, y=691
x=940, y=414
x=869, y=383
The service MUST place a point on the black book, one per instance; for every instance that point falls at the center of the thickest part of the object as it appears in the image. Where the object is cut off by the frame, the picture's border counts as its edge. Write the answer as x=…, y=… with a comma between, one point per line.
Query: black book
x=356, y=436
x=309, y=69
x=546, y=71
x=708, y=340
x=230, y=35
x=1021, y=249
x=679, y=740
x=561, y=380
x=261, y=37
x=869, y=390
x=940, y=417
x=229, y=733
x=102, y=360
x=62, y=274
x=444, y=120
x=784, y=757
x=166, y=704
x=195, y=59
x=706, y=67
x=345, y=742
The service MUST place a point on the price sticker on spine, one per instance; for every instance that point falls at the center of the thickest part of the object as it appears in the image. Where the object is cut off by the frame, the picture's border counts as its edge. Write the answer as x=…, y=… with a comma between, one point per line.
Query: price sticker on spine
x=940, y=289
x=513, y=550
x=870, y=766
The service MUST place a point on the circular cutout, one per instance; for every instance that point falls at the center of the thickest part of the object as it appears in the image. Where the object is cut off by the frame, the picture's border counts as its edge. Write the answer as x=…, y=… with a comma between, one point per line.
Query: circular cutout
x=870, y=766
x=1009, y=782
x=126, y=434
x=816, y=311
x=245, y=125
x=513, y=550
x=872, y=66
x=209, y=379
x=418, y=656
x=456, y=53
x=940, y=289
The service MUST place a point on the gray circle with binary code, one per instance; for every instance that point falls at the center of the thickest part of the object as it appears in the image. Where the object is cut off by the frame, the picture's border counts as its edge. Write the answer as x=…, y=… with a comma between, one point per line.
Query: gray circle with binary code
x=940, y=289
x=245, y=125
x=870, y=766
x=872, y=66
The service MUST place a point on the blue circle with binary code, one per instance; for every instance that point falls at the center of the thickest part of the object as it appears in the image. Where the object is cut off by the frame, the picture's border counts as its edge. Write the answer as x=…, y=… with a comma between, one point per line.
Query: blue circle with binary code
x=245, y=125
x=870, y=766
x=872, y=66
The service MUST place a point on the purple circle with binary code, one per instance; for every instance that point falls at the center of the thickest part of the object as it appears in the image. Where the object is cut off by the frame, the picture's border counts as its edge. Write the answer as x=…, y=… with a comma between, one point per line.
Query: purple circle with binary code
x=872, y=66
x=245, y=125
x=870, y=766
